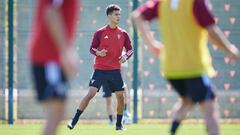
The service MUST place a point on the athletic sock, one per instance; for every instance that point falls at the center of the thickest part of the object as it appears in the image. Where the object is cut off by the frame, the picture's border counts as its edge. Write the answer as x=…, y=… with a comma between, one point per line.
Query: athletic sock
x=110, y=117
x=125, y=107
x=119, y=120
x=76, y=117
x=174, y=127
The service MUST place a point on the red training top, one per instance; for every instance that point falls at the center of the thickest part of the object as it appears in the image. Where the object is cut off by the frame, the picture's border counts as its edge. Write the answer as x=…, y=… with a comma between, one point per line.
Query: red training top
x=42, y=47
x=113, y=40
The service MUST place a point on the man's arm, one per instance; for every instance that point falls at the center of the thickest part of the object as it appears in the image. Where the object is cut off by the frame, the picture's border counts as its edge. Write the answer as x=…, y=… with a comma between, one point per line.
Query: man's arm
x=205, y=19
x=54, y=22
x=95, y=44
x=154, y=45
x=217, y=37
x=128, y=48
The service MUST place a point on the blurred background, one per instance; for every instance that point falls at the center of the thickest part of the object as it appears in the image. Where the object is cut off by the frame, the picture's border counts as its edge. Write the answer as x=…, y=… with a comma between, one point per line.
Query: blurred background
x=155, y=96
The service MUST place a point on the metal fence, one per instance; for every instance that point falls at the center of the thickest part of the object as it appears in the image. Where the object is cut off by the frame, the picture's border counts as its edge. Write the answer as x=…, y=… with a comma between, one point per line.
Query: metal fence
x=2, y=59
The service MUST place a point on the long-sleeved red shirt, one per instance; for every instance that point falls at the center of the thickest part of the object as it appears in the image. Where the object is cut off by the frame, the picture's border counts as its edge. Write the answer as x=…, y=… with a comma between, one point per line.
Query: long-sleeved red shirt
x=42, y=47
x=113, y=40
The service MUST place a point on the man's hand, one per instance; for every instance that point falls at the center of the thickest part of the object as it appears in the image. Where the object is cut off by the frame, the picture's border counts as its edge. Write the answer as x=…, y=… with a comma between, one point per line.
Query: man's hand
x=233, y=54
x=69, y=60
x=101, y=53
x=123, y=58
x=155, y=47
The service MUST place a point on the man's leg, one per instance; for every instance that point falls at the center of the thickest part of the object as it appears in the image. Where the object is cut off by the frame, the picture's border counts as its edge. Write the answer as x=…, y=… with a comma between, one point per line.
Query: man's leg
x=211, y=115
x=55, y=112
x=108, y=95
x=180, y=111
x=126, y=98
x=83, y=104
x=51, y=91
x=127, y=119
x=120, y=108
x=126, y=115
x=201, y=92
x=109, y=109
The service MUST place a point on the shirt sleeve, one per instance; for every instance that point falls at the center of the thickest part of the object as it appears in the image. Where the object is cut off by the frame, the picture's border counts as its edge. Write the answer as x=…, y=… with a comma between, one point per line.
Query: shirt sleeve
x=127, y=45
x=202, y=13
x=95, y=43
x=149, y=10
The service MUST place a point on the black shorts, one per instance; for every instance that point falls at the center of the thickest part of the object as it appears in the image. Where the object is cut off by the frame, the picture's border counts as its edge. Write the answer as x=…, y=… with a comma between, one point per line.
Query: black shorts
x=198, y=89
x=50, y=82
x=107, y=92
x=110, y=80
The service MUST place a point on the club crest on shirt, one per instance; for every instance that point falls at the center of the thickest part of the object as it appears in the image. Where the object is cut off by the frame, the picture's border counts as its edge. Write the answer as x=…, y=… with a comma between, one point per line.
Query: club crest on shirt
x=106, y=37
x=118, y=36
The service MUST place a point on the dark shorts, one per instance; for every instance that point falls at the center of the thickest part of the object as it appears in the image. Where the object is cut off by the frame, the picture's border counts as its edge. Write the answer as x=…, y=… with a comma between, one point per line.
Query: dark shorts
x=50, y=82
x=198, y=89
x=110, y=80
x=107, y=92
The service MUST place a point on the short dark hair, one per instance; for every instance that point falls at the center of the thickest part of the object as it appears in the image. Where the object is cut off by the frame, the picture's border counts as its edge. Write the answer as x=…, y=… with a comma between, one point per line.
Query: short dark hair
x=112, y=7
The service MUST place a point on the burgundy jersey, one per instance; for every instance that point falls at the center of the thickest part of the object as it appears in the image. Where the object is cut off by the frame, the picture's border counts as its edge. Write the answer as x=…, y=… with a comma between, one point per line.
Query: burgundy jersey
x=42, y=47
x=113, y=40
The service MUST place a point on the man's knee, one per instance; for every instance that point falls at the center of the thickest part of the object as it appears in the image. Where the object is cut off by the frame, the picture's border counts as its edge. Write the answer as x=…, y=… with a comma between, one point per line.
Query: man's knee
x=120, y=95
x=210, y=109
x=91, y=93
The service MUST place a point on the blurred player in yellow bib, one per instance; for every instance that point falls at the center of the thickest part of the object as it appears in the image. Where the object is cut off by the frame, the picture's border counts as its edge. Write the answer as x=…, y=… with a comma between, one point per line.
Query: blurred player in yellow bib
x=185, y=26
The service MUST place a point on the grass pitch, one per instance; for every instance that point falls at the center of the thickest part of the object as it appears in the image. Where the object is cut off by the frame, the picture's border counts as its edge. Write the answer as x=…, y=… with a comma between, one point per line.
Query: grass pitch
x=101, y=129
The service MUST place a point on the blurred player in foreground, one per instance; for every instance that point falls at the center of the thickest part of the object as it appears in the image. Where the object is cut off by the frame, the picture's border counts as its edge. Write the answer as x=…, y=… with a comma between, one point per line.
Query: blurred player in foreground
x=52, y=58
x=185, y=58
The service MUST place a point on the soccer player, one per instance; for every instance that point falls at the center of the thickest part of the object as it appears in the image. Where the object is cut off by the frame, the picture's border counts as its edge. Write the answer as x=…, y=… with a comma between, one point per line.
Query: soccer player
x=186, y=26
x=52, y=58
x=107, y=45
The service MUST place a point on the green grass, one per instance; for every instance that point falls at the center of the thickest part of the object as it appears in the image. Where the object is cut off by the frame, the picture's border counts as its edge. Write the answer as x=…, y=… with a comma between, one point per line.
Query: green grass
x=140, y=129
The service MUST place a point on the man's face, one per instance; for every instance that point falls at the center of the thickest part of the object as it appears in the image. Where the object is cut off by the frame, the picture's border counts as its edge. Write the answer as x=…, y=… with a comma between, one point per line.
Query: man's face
x=115, y=16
